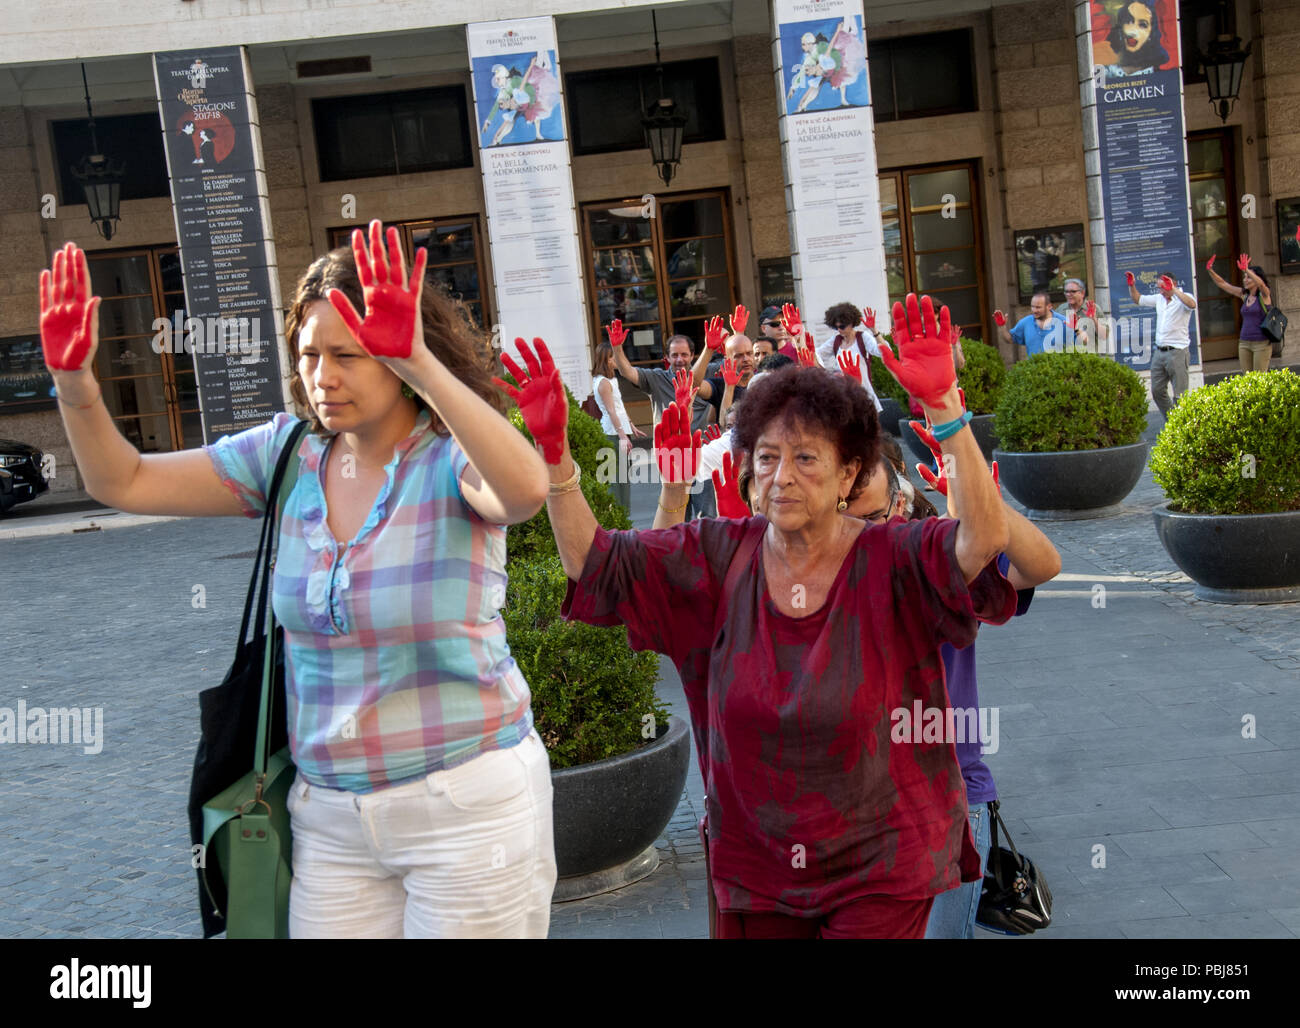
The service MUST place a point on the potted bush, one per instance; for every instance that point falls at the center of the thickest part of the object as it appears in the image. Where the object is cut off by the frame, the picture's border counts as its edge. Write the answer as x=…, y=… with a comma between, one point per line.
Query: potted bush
x=618, y=761
x=1069, y=426
x=1229, y=463
x=981, y=379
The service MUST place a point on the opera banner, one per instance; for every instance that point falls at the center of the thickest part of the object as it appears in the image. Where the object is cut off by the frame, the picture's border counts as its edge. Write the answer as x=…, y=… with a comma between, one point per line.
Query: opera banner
x=233, y=320
x=528, y=191
x=1138, y=83
x=829, y=152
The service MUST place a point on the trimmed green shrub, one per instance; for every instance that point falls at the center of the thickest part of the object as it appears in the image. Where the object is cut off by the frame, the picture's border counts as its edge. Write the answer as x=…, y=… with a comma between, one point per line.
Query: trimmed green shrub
x=982, y=377
x=591, y=692
x=534, y=538
x=1233, y=447
x=1070, y=401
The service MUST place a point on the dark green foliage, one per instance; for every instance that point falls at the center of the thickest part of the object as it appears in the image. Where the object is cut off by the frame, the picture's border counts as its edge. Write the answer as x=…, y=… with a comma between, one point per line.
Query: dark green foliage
x=591, y=692
x=1233, y=447
x=982, y=377
x=1070, y=401
x=882, y=381
x=534, y=537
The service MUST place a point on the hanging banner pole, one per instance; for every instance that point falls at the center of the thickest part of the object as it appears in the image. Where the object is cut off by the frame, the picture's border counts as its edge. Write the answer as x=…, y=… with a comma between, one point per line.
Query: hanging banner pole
x=528, y=190
x=829, y=151
x=1141, y=166
x=234, y=324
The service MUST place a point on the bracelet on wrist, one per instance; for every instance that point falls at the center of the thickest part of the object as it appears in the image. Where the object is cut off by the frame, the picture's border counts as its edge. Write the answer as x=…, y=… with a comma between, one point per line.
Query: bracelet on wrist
x=950, y=428
x=675, y=510
x=99, y=395
x=569, y=484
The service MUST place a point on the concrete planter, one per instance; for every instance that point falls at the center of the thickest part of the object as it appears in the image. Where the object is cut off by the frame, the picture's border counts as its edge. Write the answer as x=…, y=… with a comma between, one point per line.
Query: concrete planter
x=608, y=814
x=981, y=425
x=891, y=412
x=1235, y=558
x=1072, y=484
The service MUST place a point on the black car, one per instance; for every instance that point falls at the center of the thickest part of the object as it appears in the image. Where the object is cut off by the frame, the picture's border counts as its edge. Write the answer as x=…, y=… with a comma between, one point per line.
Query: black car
x=20, y=473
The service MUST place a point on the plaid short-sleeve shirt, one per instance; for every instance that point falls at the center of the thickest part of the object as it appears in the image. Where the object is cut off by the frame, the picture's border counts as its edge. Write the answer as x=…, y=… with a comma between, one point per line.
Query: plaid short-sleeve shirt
x=396, y=655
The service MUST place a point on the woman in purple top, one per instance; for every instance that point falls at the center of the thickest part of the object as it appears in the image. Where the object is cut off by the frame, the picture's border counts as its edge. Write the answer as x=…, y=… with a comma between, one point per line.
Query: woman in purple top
x=797, y=634
x=1253, y=348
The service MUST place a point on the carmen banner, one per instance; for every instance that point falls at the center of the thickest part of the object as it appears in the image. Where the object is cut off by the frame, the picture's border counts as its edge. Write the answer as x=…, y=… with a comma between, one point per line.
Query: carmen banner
x=210, y=133
x=1139, y=93
x=829, y=150
x=528, y=191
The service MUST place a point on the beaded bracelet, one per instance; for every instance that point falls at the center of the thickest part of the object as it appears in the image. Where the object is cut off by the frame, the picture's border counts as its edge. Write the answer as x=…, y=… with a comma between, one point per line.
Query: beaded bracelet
x=950, y=428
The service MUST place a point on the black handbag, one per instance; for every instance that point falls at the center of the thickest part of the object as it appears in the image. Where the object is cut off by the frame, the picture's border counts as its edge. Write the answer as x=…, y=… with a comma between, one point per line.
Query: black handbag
x=229, y=713
x=1016, y=899
x=1274, y=325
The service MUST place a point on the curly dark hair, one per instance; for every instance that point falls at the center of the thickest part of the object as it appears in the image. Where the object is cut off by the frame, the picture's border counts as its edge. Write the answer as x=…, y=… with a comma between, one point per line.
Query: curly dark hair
x=840, y=313
x=449, y=332
x=830, y=405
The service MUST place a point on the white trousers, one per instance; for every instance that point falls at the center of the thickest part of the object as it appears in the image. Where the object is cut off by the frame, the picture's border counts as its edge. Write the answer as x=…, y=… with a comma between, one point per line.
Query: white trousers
x=463, y=853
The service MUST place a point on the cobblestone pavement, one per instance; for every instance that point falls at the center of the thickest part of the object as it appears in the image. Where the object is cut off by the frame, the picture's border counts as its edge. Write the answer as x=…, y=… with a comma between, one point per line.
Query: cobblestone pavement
x=1120, y=728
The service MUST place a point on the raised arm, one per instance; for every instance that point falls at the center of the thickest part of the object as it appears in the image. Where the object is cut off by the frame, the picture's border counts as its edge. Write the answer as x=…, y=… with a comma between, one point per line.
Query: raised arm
x=505, y=482
x=625, y=367
x=1222, y=282
x=545, y=408
x=715, y=341
x=677, y=450
x=924, y=368
x=1131, y=279
x=115, y=473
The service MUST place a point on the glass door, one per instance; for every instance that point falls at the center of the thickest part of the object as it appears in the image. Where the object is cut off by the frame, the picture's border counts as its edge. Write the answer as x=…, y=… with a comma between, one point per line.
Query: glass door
x=663, y=275
x=1214, y=232
x=931, y=222
x=153, y=396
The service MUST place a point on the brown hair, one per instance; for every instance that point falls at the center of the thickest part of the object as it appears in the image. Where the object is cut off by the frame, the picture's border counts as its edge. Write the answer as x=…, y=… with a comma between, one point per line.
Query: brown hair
x=832, y=405
x=601, y=359
x=843, y=312
x=449, y=332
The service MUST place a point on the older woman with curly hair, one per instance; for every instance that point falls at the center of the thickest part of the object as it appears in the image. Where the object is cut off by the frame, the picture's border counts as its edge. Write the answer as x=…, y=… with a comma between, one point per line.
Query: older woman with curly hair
x=797, y=634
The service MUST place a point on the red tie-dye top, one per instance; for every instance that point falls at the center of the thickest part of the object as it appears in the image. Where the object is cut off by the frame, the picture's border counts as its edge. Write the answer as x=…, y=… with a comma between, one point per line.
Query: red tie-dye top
x=810, y=805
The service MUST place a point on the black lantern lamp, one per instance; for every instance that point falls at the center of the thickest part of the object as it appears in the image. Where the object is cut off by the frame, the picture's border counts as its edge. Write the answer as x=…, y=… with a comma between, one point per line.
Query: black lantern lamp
x=1224, y=64
x=100, y=177
x=663, y=123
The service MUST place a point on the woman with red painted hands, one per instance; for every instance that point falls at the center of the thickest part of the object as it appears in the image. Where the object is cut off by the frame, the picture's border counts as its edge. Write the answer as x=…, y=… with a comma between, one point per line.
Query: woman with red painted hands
x=422, y=803
x=797, y=633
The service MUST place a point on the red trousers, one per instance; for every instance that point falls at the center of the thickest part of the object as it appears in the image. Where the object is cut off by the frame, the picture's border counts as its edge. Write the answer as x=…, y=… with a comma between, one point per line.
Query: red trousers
x=878, y=917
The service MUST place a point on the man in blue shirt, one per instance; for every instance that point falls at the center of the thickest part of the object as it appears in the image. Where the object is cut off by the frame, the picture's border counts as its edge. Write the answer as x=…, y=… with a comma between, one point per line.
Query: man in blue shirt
x=1040, y=331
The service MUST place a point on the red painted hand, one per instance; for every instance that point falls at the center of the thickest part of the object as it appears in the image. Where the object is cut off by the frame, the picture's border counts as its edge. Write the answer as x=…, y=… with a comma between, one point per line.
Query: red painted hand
x=677, y=449
x=995, y=478
x=939, y=481
x=869, y=318
x=792, y=320
x=924, y=366
x=616, y=332
x=715, y=334
x=712, y=432
x=1209, y=265
x=726, y=486
x=999, y=319
x=1091, y=310
x=730, y=374
x=850, y=365
x=392, y=324
x=1130, y=278
x=739, y=320
x=807, y=355
x=1243, y=262
x=683, y=388
x=69, y=314
x=1166, y=283
x=540, y=397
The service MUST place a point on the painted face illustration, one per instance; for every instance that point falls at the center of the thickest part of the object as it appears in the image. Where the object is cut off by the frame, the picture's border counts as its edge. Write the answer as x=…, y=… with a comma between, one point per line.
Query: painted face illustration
x=1136, y=23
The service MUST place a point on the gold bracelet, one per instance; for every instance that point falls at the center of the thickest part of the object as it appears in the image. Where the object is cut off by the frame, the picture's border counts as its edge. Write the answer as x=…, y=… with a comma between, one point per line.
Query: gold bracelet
x=83, y=406
x=676, y=510
x=569, y=484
